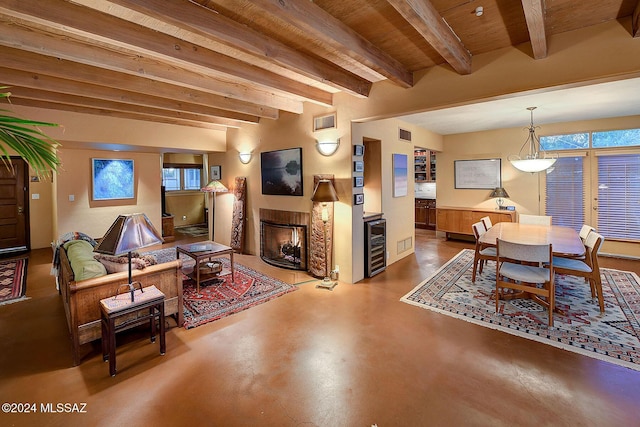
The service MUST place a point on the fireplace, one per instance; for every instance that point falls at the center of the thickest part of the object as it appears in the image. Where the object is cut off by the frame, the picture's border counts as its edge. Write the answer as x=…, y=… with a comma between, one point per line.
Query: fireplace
x=283, y=238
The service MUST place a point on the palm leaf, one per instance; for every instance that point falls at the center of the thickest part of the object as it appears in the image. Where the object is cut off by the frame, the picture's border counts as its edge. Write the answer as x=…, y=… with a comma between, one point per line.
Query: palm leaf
x=24, y=137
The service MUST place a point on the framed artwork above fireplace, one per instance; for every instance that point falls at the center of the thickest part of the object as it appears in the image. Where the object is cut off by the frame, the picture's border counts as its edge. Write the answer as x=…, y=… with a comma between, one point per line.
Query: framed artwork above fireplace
x=281, y=172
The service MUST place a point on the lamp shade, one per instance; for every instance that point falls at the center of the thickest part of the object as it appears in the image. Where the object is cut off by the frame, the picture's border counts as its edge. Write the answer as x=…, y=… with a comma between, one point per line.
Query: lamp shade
x=499, y=192
x=324, y=192
x=214, y=186
x=129, y=233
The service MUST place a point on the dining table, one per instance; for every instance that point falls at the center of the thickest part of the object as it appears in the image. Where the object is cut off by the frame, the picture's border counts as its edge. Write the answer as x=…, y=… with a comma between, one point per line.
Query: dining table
x=564, y=241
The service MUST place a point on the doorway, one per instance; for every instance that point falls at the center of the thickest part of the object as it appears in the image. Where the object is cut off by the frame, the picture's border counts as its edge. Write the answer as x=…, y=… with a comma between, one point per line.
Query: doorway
x=14, y=206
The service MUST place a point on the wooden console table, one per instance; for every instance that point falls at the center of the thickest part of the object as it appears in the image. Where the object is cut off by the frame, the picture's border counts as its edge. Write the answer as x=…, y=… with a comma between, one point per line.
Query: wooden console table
x=455, y=220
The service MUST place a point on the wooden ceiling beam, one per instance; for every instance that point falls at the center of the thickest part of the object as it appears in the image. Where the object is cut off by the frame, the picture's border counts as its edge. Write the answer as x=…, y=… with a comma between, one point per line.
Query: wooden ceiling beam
x=81, y=21
x=258, y=102
x=534, y=14
x=110, y=113
x=424, y=17
x=78, y=73
x=191, y=17
x=312, y=19
x=83, y=101
x=102, y=94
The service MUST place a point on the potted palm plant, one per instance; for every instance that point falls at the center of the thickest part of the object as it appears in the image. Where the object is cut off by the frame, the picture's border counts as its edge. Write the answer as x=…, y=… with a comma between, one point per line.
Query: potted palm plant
x=25, y=138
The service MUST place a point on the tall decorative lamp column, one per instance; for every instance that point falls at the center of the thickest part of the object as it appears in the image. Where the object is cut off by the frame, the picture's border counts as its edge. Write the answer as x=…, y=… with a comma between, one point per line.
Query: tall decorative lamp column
x=213, y=187
x=129, y=233
x=325, y=193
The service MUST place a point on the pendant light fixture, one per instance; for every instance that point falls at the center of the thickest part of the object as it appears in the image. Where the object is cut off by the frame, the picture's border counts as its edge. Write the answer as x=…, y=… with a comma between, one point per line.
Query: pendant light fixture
x=536, y=159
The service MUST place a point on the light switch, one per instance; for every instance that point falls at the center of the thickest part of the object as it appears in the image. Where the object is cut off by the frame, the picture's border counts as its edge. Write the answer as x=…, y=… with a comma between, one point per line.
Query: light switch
x=35, y=196
x=72, y=197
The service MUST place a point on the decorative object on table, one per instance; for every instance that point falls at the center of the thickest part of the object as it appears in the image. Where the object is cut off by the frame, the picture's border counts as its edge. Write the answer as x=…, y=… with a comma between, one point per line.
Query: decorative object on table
x=358, y=150
x=499, y=194
x=112, y=179
x=400, y=175
x=358, y=166
x=213, y=187
x=477, y=174
x=358, y=199
x=534, y=159
x=238, y=217
x=216, y=173
x=613, y=336
x=325, y=193
x=249, y=289
x=13, y=280
x=128, y=233
x=281, y=172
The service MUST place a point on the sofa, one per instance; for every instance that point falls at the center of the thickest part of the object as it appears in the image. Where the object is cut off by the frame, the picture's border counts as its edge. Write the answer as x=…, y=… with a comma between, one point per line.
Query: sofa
x=83, y=281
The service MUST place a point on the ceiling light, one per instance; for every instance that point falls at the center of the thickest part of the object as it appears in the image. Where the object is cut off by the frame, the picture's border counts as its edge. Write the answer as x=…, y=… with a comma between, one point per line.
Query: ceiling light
x=536, y=160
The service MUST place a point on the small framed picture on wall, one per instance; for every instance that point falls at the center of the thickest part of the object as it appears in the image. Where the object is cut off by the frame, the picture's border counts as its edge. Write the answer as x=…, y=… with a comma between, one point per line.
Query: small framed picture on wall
x=358, y=150
x=358, y=199
x=358, y=181
x=216, y=172
x=358, y=166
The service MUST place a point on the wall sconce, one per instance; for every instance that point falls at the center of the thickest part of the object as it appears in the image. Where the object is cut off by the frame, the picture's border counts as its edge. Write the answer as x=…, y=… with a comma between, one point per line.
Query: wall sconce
x=327, y=147
x=244, y=158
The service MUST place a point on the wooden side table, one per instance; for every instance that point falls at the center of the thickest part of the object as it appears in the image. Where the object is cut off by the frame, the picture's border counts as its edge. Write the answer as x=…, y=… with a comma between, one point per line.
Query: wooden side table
x=120, y=313
x=202, y=251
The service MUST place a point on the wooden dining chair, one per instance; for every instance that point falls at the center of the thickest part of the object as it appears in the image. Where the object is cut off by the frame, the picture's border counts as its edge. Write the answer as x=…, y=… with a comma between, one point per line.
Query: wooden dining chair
x=587, y=268
x=482, y=252
x=522, y=268
x=486, y=221
x=534, y=219
x=584, y=232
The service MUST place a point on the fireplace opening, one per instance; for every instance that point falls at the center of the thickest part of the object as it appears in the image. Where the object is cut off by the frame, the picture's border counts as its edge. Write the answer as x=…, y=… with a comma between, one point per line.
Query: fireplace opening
x=284, y=245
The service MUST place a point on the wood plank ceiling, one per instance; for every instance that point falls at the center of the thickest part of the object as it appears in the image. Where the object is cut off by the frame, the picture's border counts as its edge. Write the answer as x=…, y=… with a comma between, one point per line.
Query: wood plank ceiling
x=219, y=63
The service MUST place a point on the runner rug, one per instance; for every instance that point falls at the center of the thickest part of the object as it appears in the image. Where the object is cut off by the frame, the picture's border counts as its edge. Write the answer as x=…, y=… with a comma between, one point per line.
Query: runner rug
x=219, y=298
x=613, y=336
x=194, y=230
x=13, y=280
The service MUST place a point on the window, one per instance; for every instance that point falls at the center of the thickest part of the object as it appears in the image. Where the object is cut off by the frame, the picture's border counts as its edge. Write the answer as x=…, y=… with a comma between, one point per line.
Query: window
x=618, y=196
x=616, y=138
x=176, y=179
x=565, y=192
x=573, y=141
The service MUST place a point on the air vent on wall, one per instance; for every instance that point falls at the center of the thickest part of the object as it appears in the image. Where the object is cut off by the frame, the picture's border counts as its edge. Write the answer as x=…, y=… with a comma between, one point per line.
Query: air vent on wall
x=404, y=135
x=324, y=122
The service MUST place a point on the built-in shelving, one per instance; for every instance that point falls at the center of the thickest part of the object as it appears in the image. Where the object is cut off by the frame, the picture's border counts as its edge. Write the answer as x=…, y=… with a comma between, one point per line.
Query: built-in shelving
x=424, y=162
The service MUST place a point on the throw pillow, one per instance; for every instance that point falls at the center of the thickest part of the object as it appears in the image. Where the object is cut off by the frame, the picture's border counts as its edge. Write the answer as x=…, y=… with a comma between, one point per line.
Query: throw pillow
x=84, y=266
x=116, y=264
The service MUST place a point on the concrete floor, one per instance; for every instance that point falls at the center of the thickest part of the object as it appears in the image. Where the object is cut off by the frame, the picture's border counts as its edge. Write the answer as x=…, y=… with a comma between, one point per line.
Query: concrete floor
x=354, y=356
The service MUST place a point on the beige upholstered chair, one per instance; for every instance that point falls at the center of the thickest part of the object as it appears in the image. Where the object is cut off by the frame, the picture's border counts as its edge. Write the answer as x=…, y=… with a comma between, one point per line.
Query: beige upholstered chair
x=522, y=268
x=482, y=253
x=486, y=221
x=587, y=268
x=534, y=219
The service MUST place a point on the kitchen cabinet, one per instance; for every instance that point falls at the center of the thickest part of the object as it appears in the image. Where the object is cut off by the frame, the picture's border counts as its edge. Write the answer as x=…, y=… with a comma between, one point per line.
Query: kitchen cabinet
x=425, y=214
x=424, y=164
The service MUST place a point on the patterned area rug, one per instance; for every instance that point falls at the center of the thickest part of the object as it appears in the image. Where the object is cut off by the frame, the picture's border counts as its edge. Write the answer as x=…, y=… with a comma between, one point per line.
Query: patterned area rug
x=13, y=280
x=194, y=230
x=221, y=298
x=613, y=336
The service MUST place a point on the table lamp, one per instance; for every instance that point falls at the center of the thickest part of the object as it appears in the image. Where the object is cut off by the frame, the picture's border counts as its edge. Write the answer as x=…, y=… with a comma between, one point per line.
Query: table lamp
x=325, y=193
x=128, y=233
x=213, y=187
x=499, y=194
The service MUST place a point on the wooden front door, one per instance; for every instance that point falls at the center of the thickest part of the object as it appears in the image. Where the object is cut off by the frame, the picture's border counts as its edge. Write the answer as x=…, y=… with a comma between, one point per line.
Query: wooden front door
x=14, y=207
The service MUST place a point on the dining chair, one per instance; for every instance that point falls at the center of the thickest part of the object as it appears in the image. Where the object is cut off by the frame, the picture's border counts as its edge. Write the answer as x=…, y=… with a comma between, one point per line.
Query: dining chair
x=522, y=268
x=534, y=219
x=587, y=268
x=584, y=232
x=486, y=221
x=482, y=253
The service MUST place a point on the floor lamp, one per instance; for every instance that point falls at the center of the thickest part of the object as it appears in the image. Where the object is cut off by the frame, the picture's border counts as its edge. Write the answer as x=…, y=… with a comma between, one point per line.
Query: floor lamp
x=325, y=193
x=213, y=187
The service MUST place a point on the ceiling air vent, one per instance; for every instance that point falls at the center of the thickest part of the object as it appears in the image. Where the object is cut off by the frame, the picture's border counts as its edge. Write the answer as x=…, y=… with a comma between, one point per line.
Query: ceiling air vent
x=404, y=135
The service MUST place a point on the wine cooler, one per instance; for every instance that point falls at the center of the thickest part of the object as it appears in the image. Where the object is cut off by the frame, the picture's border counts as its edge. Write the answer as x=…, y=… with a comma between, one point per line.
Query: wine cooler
x=375, y=242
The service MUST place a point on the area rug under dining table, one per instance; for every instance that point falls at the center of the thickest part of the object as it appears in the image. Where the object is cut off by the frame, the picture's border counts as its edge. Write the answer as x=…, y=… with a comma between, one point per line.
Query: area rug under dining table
x=613, y=336
x=221, y=297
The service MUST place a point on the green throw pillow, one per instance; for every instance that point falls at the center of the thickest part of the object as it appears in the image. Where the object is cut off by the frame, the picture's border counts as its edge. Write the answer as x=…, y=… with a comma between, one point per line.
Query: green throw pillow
x=84, y=266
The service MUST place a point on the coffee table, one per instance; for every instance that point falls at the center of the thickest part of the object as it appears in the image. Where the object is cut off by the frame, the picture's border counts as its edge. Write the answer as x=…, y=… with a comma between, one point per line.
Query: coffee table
x=202, y=251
